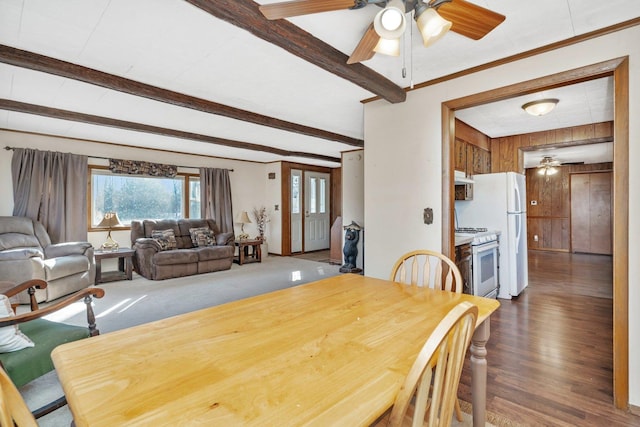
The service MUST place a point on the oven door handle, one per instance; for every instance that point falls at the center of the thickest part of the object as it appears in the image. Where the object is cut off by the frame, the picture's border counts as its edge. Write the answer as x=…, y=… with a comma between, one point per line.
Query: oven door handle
x=486, y=246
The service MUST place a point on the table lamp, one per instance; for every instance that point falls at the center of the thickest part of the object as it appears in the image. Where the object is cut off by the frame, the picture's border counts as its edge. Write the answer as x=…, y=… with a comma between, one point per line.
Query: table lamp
x=243, y=218
x=109, y=221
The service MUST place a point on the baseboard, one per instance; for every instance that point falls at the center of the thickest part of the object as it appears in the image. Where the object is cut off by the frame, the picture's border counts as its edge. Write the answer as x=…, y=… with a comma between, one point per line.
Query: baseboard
x=635, y=410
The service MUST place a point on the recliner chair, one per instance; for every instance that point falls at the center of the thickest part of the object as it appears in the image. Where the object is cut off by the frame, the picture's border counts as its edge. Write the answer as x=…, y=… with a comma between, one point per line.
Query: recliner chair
x=26, y=253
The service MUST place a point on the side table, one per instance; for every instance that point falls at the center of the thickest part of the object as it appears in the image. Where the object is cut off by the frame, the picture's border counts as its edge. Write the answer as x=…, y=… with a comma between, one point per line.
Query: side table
x=244, y=256
x=125, y=265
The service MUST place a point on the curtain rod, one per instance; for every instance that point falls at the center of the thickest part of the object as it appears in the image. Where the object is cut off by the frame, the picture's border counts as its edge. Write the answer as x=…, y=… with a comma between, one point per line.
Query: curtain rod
x=108, y=158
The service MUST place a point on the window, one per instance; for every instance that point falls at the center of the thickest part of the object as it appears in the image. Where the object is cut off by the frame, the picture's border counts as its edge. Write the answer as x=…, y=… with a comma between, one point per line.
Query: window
x=295, y=194
x=323, y=195
x=312, y=195
x=137, y=197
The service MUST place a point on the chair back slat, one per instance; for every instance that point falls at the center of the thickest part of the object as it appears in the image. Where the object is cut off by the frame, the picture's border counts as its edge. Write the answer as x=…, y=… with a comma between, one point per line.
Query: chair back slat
x=12, y=405
x=427, y=268
x=434, y=377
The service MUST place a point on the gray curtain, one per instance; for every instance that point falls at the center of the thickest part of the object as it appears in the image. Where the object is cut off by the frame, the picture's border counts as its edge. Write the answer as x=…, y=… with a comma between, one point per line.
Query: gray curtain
x=215, y=197
x=51, y=188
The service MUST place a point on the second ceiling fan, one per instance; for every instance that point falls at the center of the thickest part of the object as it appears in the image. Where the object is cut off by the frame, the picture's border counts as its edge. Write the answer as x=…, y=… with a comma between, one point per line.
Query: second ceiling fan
x=433, y=19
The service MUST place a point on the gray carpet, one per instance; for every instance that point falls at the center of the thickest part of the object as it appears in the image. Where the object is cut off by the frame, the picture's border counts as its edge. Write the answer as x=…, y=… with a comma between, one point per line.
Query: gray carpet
x=130, y=303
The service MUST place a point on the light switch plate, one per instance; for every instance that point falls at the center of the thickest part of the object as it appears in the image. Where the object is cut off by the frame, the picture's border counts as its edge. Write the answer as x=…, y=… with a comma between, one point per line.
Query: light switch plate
x=428, y=216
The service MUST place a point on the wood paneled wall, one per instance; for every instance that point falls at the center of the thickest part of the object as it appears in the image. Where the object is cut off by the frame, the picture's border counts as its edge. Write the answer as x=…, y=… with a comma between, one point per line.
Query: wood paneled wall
x=549, y=217
x=507, y=153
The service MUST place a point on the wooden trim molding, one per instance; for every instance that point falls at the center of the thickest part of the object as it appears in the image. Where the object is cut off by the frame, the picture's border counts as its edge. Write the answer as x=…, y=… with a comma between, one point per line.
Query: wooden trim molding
x=619, y=69
x=45, y=64
x=533, y=52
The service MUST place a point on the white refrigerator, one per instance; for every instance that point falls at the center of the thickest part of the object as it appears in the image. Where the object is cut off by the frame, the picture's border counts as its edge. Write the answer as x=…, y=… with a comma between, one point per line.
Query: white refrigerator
x=500, y=203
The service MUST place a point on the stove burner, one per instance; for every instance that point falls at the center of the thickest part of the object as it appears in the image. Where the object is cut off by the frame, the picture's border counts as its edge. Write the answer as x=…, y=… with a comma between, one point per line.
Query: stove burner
x=470, y=230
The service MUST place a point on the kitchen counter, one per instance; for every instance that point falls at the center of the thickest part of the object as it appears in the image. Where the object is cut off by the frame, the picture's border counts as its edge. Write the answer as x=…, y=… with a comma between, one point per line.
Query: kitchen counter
x=463, y=239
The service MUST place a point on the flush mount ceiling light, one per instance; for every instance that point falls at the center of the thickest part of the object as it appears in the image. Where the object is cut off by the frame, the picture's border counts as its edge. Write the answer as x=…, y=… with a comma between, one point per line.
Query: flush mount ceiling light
x=540, y=107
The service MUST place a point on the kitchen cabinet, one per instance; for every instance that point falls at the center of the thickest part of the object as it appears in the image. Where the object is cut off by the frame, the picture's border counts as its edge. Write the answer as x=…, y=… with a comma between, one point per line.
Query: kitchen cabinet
x=463, y=262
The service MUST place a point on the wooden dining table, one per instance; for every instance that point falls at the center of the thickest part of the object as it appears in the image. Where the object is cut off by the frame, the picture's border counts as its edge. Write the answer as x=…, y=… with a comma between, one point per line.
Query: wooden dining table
x=328, y=353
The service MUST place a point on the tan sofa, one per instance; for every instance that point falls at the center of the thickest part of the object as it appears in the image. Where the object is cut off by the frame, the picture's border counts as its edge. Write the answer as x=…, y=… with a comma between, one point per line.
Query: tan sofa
x=155, y=261
x=26, y=253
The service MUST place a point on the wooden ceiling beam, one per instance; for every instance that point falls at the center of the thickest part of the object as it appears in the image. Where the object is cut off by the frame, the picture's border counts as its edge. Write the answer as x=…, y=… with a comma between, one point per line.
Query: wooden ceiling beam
x=246, y=15
x=22, y=107
x=33, y=61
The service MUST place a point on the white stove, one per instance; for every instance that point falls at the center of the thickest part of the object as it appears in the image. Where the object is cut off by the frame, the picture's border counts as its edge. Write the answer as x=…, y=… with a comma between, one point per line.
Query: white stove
x=484, y=260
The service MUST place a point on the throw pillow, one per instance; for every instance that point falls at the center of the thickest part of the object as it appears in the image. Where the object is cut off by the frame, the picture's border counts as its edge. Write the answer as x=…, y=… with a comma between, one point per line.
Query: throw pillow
x=11, y=339
x=202, y=236
x=165, y=238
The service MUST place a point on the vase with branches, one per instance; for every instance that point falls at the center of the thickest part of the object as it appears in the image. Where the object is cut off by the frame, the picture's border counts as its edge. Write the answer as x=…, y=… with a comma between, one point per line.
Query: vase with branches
x=262, y=218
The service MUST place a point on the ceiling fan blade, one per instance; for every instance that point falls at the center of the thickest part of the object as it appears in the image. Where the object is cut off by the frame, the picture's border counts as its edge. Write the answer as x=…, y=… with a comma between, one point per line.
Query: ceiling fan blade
x=364, y=50
x=287, y=9
x=470, y=20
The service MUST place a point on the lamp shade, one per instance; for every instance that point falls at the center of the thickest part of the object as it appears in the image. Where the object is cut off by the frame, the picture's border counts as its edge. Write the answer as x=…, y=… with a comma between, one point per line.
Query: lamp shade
x=431, y=25
x=243, y=218
x=390, y=22
x=540, y=107
x=389, y=47
x=109, y=220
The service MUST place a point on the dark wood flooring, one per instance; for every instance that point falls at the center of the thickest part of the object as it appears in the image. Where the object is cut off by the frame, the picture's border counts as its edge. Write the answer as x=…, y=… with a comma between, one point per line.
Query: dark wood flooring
x=550, y=360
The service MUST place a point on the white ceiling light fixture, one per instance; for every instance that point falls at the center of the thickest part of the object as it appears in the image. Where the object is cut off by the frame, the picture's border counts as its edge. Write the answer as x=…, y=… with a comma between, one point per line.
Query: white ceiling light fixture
x=390, y=22
x=431, y=25
x=541, y=106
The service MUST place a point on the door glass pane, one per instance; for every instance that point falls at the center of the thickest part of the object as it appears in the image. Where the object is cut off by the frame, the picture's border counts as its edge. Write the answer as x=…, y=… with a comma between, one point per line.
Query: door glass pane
x=323, y=195
x=295, y=194
x=312, y=195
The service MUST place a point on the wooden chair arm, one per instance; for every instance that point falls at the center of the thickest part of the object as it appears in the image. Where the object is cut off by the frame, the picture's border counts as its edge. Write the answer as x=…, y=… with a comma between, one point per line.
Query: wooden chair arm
x=85, y=294
x=30, y=286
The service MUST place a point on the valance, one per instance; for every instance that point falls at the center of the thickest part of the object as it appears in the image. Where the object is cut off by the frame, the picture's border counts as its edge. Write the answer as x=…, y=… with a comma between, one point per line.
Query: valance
x=135, y=167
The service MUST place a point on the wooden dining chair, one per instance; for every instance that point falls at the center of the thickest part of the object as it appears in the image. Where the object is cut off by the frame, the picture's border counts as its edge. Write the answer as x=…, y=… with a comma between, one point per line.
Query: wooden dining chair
x=434, y=377
x=431, y=269
x=28, y=362
x=13, y=409
x=427, y=268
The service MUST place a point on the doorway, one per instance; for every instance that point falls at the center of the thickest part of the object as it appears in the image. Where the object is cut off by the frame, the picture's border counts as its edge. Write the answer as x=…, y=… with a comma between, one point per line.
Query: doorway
x=619, y=69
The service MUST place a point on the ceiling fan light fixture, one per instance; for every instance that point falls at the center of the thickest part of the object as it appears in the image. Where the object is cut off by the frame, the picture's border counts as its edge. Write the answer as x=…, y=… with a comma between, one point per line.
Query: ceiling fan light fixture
x=431, y=25
x=389, y=47
x=548, y=170
x=540, y=107
x=391, y=22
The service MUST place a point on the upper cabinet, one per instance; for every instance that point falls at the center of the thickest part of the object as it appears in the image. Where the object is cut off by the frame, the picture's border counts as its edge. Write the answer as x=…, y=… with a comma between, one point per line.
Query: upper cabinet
x=472, y=150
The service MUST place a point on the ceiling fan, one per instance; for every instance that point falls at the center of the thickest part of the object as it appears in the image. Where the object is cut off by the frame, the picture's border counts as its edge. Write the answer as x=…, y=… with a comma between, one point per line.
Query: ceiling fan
x=548, y=166
x=433, y=19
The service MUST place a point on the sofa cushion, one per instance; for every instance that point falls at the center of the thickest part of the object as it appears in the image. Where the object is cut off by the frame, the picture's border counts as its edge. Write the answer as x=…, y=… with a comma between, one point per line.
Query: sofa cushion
x=165, y=238
x=202, y=236
x=55, y=268
x=176, y=256
x=11, y=339
x=208, y=253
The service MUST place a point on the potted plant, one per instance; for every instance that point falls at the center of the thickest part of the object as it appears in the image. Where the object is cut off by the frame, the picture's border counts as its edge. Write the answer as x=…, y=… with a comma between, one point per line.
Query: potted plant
x=262, y=218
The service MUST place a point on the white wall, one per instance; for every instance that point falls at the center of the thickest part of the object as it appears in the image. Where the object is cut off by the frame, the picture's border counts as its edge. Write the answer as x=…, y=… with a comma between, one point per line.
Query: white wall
x=273, y=203
x=353, y=195
x=403, y=162
x=248, y=180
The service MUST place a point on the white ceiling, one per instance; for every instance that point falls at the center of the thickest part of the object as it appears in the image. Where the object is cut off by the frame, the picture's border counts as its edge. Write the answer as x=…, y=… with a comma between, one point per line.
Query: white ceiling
x=176, y=46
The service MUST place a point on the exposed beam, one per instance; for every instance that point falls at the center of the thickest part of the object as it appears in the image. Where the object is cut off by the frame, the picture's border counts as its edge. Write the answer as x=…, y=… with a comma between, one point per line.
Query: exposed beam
x=246, y=15
x=33, y=61
x=22, y=107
